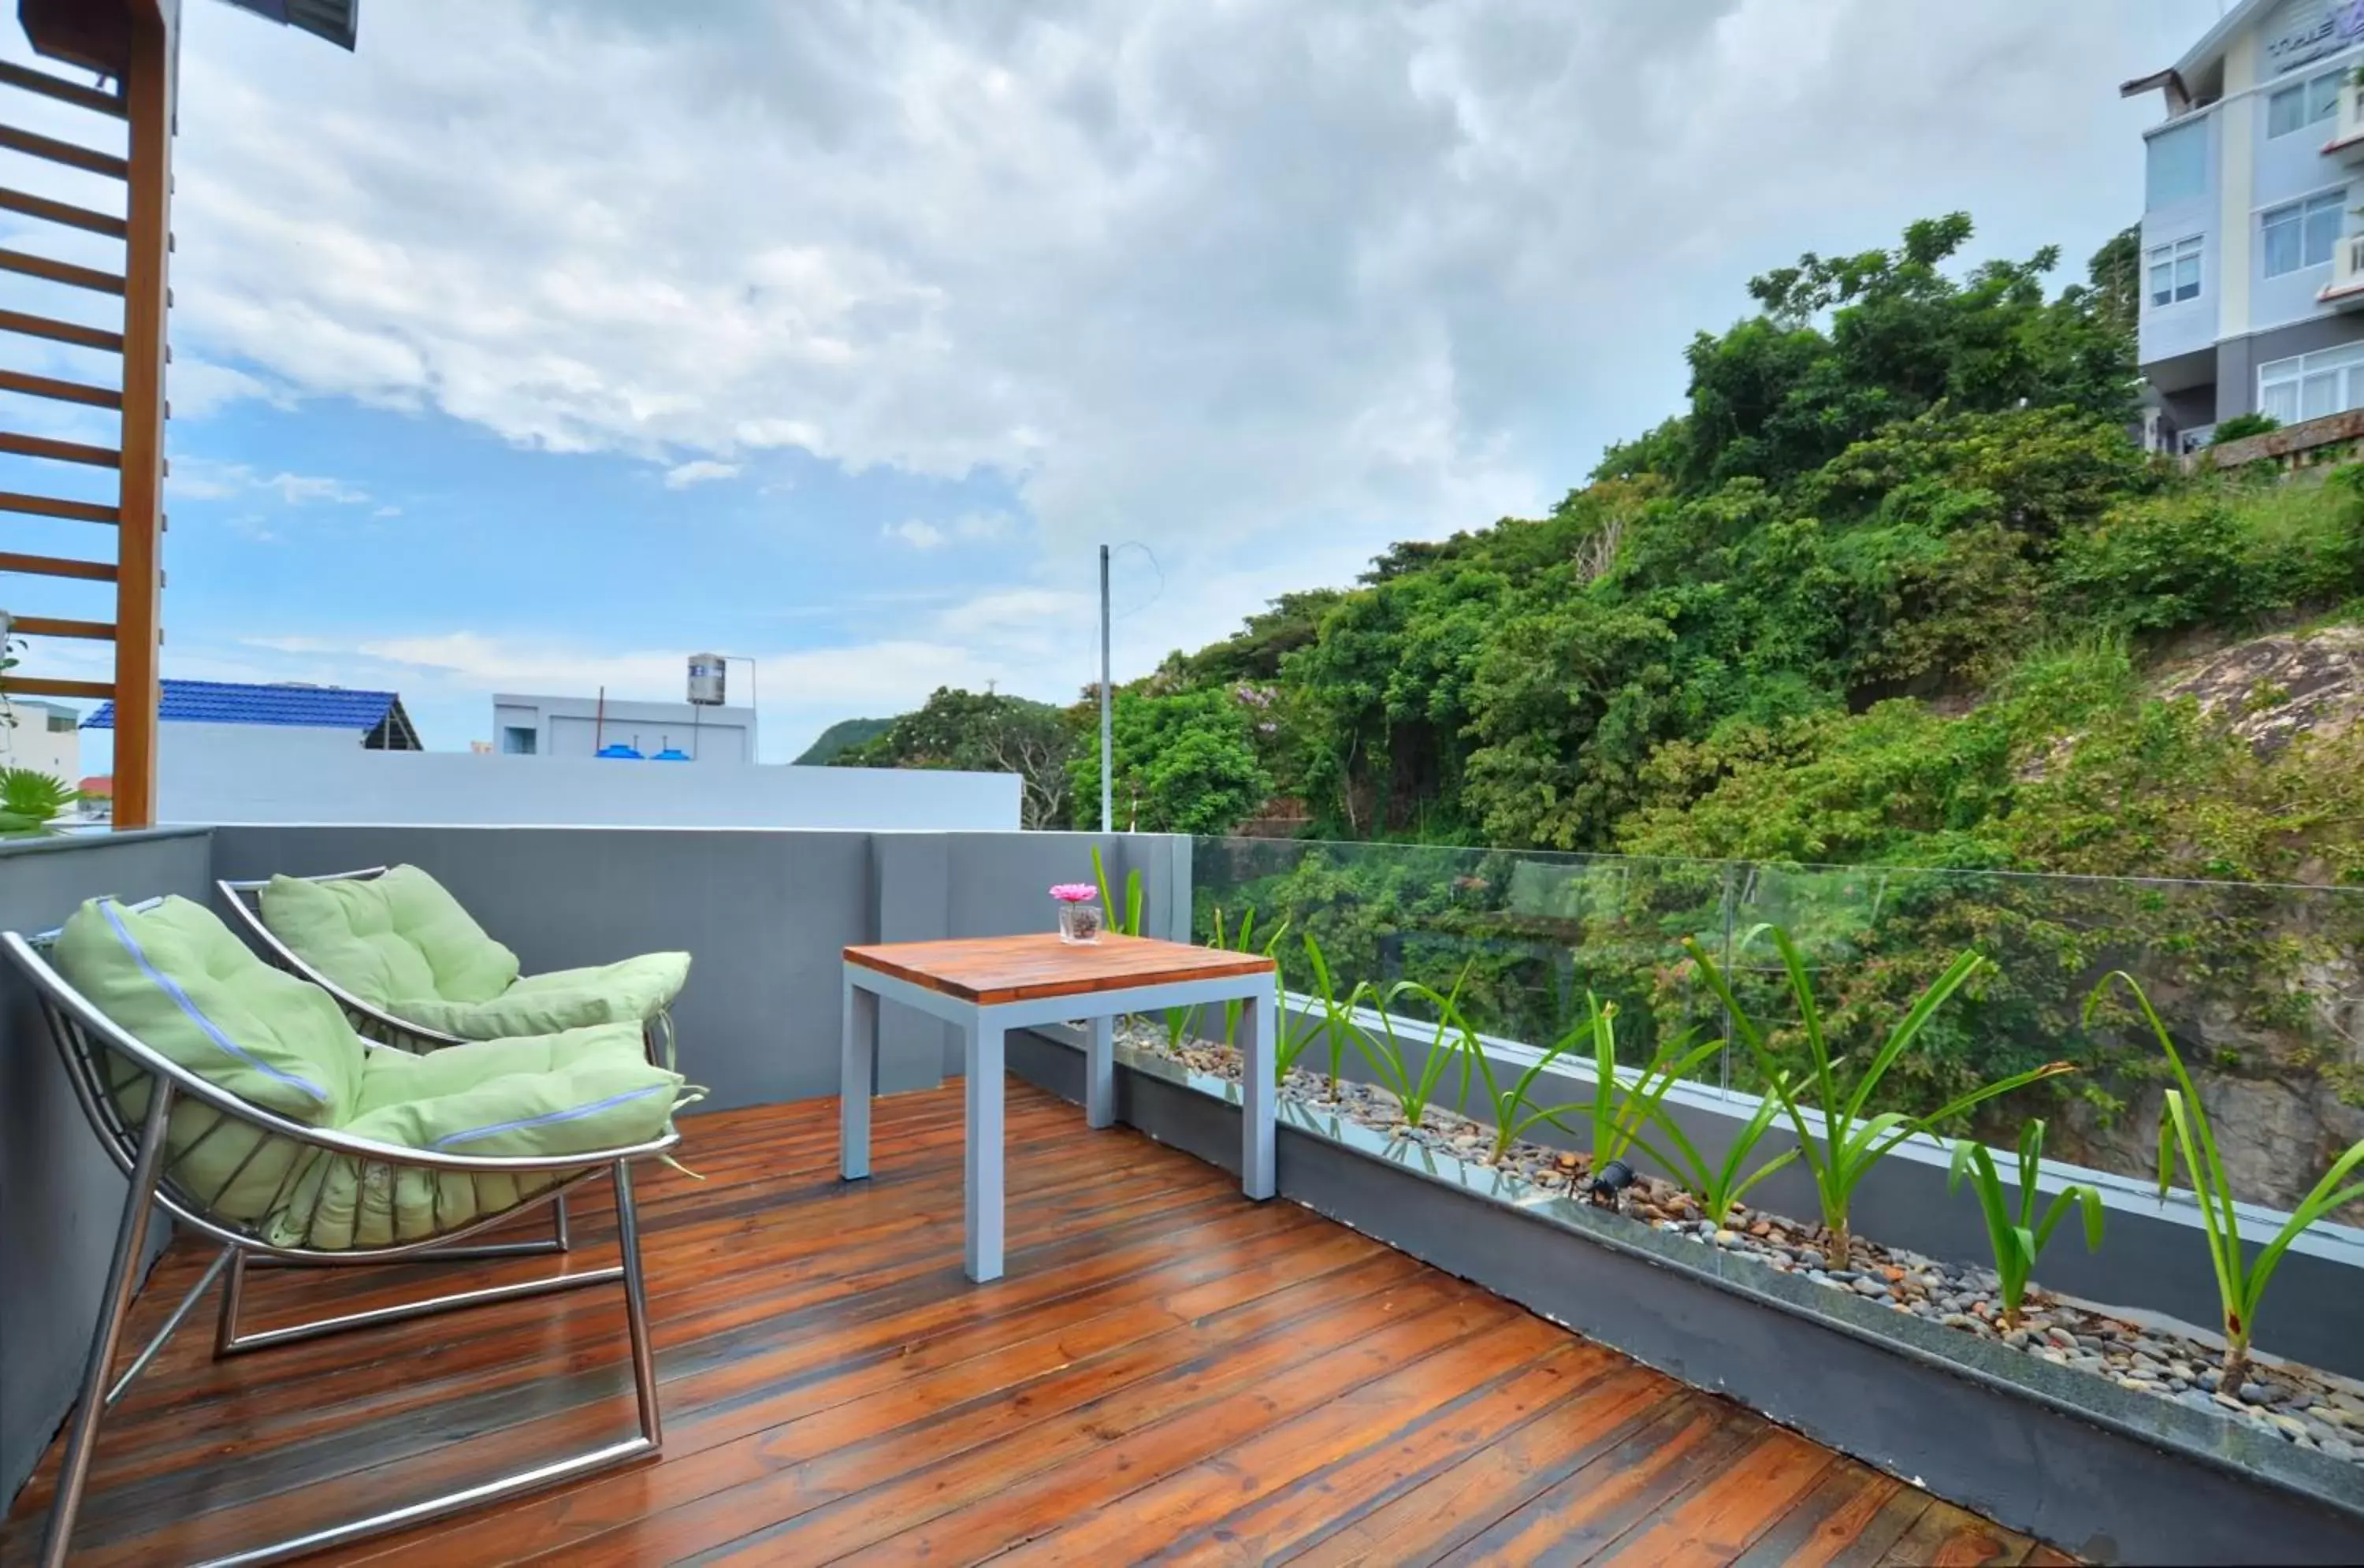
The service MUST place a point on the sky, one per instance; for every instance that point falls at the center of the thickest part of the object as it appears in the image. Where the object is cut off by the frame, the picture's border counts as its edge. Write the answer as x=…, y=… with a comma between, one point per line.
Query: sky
x=537, y=344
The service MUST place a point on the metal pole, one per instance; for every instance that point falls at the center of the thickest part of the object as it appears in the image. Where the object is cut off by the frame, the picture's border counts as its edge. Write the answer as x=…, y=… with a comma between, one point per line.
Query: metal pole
x=1108, y=756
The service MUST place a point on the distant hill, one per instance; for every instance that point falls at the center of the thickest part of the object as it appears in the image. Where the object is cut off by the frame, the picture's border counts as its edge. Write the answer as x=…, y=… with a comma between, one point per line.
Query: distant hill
x=843, y=736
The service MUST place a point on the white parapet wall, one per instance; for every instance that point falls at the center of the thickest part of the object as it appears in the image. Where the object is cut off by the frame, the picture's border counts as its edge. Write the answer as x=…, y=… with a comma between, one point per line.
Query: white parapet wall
x=232, y=774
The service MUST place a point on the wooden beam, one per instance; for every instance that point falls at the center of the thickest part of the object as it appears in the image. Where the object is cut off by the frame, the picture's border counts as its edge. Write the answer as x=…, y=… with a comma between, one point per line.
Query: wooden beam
x=50, y=507
x=37, y=686
x=65, y=273
x=66, y=213
x=63, y=391
x=74, y=155
x=56, y=566
x=148, y=82
x=60, y=452
x=72, y=332
x=51, y=626
x=64, y=92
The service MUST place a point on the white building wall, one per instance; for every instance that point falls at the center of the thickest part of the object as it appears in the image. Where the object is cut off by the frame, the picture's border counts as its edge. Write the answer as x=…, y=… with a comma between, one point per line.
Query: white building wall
x=209, y=773
x=2187, y=326
x=30, y=743
x=578, y=726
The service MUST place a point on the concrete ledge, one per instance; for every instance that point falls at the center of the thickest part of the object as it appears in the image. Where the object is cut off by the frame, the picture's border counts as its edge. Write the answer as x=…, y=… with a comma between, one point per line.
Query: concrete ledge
x=2113, y=1476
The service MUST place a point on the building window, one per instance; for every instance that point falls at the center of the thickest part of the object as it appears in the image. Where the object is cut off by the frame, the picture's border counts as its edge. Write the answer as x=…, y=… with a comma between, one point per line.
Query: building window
x=2175, y=165
x=2175, y=271
x=2295, y=109
x=2311, y=386
x=2302, y=234
x=517, y=742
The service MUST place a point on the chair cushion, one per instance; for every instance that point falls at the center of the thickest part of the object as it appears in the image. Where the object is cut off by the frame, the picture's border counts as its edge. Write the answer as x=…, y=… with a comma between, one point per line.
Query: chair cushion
x=566, y=1095
x=396, y=935
x=395, y=1077
x=631, y=991
x=179, y=980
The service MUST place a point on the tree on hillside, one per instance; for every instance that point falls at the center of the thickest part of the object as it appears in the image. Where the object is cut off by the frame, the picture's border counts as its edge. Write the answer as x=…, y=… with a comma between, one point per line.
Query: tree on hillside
x=1781, y=394
x=2115, y=273
x=985, y=732
x=1185, y=762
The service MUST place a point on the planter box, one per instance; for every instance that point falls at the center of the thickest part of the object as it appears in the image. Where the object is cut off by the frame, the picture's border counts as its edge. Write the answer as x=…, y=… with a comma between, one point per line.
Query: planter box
x=2114, y=1475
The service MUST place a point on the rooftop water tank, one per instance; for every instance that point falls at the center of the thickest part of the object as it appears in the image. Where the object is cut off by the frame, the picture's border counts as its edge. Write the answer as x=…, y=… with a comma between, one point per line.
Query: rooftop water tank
x=670, y=754
x=706, y=679
x=619, y=749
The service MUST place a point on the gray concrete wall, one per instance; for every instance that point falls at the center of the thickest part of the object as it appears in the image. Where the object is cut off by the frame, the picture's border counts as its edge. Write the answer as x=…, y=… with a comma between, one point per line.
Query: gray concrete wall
x=60, y=1198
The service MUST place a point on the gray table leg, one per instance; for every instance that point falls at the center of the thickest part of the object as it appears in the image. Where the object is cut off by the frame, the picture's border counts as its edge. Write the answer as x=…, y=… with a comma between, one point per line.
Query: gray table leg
x=857, y=1075
x=984, y=1150
x=1099, y=1075
x=1259, y=1098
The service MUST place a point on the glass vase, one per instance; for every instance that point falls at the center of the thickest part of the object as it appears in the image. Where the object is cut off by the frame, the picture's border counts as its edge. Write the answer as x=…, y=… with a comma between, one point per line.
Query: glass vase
x=1079, y=922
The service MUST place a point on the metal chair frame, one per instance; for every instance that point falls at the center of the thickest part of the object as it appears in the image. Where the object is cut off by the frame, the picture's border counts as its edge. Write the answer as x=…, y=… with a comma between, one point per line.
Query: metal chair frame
x=91, y=1044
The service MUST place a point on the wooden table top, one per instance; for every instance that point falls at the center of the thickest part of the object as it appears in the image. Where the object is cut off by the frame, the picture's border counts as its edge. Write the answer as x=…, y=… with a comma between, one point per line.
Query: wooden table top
x=992, y=970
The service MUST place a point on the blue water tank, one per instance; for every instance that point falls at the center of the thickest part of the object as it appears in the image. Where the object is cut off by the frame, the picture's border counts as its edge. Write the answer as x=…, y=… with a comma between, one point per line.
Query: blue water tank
x=670, y=754
x=621, y=750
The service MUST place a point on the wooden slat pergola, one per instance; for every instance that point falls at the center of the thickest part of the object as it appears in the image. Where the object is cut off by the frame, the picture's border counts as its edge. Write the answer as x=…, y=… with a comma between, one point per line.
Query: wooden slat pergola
x=132, y=45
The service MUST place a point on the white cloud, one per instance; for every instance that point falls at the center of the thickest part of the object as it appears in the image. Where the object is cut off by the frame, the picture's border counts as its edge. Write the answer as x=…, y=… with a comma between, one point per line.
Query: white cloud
x=918, y=535
x=205, y=479
x=969, y=527
x=703, y=470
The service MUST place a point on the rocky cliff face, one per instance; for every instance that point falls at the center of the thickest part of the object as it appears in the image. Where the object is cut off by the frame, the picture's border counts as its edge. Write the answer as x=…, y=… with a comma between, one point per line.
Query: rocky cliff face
x=2271, y=690
x=2284, y=1113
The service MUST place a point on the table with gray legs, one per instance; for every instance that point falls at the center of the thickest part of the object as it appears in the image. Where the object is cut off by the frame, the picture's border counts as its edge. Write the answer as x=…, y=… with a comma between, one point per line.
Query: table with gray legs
x=990, y=986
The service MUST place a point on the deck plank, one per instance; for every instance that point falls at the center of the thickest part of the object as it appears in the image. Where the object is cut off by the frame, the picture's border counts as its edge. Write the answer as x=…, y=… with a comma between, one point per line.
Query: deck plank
x=1167, y=1372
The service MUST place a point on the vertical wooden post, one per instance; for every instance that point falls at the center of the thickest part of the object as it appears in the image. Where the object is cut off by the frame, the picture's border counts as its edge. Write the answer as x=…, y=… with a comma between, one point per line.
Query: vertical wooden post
x=148, y=84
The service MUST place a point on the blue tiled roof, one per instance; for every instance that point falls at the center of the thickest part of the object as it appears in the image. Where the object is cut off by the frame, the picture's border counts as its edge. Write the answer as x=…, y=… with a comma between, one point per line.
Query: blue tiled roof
x=229, y=702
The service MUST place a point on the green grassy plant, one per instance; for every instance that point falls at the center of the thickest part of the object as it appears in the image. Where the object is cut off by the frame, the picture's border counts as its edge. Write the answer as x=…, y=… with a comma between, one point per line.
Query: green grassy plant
x=2019, y=1237
x=2183, y=1130
x=1619, y=1113
x=1618, y=1110
x=1415, y=1087
x=31, y=802
x=1720, y=1186
x=1271, y=949
x=1512, y=1113
x=1336, y=1029
x=1849, y=1143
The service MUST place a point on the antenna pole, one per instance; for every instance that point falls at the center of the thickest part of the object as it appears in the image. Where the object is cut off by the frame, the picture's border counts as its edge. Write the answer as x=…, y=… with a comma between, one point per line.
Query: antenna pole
x=1107, y=757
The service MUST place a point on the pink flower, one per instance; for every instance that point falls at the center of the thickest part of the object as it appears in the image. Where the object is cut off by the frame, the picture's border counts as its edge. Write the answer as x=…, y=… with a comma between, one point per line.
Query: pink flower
x=1075, y=892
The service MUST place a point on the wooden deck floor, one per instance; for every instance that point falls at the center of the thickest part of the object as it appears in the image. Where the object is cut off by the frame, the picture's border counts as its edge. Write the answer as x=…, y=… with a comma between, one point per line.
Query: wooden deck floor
x=1167, y=1371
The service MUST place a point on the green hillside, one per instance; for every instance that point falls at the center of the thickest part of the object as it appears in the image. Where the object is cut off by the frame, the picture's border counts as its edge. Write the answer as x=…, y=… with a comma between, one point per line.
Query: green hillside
x=839, y=737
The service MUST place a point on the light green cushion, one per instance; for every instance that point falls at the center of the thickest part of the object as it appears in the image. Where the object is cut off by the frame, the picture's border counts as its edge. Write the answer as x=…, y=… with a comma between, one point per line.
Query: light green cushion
x=181, y=982
x=393, y=1076
x=604, y=1095
x=177, y=979
x=396, y=935
x=632, y=991
x=401, y=942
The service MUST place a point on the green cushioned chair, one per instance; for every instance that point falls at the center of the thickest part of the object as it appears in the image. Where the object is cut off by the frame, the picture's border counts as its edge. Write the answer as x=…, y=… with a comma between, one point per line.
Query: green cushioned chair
x=413, y=968
x=242, y=1100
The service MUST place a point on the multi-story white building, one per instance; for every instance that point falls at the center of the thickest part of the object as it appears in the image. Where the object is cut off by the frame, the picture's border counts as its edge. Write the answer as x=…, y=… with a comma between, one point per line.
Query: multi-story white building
x=2252, y=251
